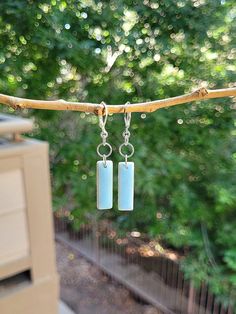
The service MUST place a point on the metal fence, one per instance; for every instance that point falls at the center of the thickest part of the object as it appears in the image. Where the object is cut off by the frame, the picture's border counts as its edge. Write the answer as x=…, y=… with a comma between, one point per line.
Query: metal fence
x=156, y=279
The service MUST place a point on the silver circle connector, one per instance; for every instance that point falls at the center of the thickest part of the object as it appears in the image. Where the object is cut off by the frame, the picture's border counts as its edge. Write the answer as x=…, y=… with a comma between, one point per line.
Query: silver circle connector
x=131, y=147
x=104, y=155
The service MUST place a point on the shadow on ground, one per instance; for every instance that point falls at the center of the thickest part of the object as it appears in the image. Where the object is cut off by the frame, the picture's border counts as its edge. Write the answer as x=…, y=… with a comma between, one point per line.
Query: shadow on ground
x=87, y=290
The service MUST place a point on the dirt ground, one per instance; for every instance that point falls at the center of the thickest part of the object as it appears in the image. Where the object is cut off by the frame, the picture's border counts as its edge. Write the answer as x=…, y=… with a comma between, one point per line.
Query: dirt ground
x=87, y=290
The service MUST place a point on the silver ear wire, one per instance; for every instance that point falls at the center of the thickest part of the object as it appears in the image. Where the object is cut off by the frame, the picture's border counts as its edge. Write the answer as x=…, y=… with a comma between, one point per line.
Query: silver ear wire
x=127, y=116
x=104, y=135
x=103, y=121
x=126, y=169
x=126, y=136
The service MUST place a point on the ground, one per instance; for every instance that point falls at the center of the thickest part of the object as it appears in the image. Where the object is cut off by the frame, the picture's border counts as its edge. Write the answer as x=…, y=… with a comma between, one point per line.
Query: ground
x=87, y=290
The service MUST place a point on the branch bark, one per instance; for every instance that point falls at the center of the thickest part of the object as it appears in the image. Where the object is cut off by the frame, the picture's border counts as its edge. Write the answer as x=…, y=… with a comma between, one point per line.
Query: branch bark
x=200, y=94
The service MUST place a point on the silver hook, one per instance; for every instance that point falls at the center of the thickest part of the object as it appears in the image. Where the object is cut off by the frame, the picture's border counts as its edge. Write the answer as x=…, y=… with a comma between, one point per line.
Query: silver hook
x=103, y=121
x=104, y=135
x=127, y=116
x=126, y=135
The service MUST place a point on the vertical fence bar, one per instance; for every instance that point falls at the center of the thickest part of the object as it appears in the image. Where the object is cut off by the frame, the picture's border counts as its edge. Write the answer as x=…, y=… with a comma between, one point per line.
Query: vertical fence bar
x=215, y=307
x=178, y=289
x=209, y=301
x=191, y=298
x=203, y=301
x=222, y=309
x=174, y=281
x=169, y=272
x=184, y=306
x=96, y=239
x=230, y=310
x=165, y=279
x=181, y=295
x=161, y=277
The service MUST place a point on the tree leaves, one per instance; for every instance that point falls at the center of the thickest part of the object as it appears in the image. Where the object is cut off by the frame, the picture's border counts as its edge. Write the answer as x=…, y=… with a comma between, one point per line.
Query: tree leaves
x=120, y=51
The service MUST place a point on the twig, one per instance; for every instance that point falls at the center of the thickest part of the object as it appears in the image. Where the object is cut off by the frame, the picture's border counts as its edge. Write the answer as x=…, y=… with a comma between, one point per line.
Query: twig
x=207, y=246
x=200, y=94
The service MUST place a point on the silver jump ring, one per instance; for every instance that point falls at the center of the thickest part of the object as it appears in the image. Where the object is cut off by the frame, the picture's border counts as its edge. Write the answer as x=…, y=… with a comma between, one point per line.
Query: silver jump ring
x=131, y=150
x=104, y=155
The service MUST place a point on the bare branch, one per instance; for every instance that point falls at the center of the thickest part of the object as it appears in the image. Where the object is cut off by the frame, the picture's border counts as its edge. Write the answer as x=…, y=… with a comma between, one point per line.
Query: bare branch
x=200, y=94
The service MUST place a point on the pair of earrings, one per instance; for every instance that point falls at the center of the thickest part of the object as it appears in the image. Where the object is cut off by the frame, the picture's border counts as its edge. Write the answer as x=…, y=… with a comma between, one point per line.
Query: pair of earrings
x=105, y=169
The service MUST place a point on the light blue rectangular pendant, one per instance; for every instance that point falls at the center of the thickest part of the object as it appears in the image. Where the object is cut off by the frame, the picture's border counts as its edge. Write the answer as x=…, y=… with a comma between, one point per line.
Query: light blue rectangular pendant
x=126, y=186
x=104, y=184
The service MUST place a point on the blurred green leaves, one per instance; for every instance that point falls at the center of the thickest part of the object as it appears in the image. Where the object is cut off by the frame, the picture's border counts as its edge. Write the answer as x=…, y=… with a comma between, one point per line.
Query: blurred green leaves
x=118, y=51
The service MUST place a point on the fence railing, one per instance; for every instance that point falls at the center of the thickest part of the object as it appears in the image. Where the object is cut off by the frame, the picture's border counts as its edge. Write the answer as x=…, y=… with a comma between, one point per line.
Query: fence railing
x=155, y=278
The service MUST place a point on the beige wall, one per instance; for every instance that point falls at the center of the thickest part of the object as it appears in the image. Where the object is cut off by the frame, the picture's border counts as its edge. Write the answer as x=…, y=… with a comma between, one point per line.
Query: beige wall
x=26, y=229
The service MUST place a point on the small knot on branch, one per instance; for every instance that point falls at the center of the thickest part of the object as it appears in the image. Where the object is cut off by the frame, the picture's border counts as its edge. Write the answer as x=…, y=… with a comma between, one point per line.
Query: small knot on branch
x=99, y=110
x=14, y=104
x=201, y=92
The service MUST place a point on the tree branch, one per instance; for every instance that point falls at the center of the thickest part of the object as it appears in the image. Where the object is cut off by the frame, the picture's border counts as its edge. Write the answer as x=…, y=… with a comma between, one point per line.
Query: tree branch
x=200, y=94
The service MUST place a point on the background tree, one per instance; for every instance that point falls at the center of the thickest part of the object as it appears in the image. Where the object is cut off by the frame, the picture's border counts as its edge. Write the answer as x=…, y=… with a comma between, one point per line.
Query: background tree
x=118, y=51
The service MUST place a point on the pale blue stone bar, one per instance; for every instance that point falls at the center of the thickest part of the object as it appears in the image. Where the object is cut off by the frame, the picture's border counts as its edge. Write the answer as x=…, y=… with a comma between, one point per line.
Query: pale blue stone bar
x=104, y=184
x=126, y=186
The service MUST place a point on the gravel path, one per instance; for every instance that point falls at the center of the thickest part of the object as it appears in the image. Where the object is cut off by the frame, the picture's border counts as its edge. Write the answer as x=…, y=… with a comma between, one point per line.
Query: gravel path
x=87, y=290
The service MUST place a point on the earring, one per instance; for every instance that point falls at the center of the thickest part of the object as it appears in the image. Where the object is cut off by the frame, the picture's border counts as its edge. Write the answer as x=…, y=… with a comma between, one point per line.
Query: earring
x=104, y=168
x=126, y=171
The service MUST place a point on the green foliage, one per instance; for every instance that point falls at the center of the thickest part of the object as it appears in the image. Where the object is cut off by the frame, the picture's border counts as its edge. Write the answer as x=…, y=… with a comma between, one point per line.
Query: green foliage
x=118, y=51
